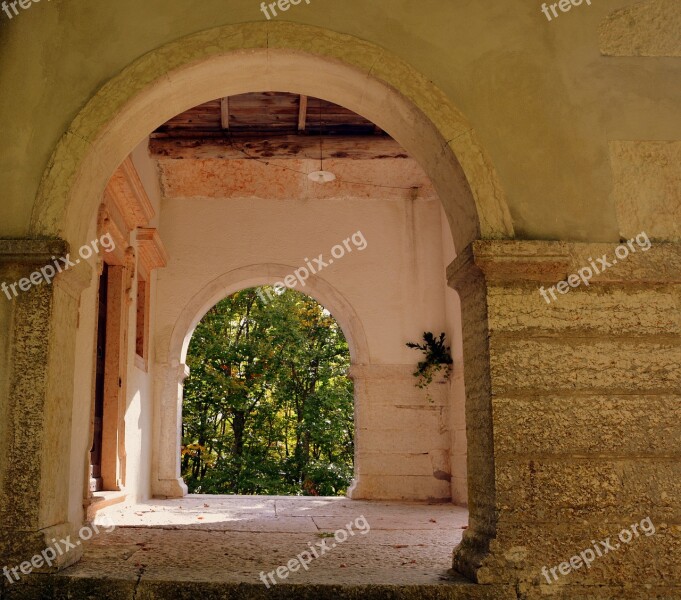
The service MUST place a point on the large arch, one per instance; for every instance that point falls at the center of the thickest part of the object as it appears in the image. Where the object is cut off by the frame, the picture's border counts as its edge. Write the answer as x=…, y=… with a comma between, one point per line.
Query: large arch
x=265, y=57
x=166, y=476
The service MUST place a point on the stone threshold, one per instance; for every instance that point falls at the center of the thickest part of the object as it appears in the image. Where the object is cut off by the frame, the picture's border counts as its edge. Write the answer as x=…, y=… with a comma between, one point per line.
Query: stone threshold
x=101, y=500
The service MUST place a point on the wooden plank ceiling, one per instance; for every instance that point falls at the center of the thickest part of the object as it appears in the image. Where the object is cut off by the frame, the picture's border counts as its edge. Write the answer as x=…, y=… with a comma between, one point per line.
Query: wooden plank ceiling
x=271, y=124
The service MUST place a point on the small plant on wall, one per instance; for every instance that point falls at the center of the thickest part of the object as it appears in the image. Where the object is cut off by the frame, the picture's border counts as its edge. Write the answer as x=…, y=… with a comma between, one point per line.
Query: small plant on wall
x=437, y=359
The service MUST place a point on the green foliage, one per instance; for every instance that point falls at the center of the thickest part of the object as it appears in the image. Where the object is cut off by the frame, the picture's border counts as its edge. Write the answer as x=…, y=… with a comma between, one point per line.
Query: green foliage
x=268, y=407
x=438, y=358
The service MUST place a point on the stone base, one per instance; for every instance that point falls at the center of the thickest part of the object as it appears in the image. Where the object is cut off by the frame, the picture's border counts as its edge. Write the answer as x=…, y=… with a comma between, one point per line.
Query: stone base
x=102, y=500
x=400, y=488
x=21, y=546
x=170, y=488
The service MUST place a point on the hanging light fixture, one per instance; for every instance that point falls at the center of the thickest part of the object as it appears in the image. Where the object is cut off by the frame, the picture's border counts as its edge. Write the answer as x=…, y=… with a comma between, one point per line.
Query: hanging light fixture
x=321, y=176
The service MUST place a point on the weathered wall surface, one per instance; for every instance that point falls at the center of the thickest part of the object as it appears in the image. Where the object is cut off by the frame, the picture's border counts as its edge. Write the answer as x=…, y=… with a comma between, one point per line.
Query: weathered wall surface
x=531, y=88
x=587, y=417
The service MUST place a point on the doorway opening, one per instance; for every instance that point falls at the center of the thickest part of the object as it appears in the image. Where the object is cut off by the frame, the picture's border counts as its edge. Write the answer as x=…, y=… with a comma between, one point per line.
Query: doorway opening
x=96, y=481
x=268, y=406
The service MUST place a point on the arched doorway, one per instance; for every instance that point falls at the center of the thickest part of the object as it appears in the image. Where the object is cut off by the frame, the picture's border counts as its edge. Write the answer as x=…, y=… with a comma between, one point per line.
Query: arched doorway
x=167, y=478
x=410, y=109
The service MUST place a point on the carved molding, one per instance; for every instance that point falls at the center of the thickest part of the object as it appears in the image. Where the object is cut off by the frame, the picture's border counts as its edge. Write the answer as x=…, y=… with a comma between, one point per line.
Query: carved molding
x=125, y=207
x=152, y=253
x=108, y=225
x=127, y=193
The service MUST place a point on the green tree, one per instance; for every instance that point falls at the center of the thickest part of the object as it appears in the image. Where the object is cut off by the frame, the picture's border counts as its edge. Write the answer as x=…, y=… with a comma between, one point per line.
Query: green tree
x=268, y=406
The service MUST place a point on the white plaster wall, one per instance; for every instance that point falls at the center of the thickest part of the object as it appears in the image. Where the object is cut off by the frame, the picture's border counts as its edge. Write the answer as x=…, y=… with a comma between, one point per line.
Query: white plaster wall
x=396, y=287
x=139, y=412
x=457, y=390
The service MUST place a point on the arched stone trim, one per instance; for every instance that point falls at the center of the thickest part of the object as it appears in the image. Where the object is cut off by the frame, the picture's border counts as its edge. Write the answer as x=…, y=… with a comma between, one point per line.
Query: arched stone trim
x=271, y=56
x=267, y=274
x=171, y=373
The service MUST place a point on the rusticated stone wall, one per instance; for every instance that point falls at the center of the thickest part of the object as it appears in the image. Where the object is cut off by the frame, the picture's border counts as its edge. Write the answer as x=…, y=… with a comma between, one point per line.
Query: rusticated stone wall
x=586, y=401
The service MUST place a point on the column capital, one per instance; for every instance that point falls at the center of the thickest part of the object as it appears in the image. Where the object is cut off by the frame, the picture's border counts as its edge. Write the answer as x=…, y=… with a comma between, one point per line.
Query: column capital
x=31, y=251
x=511, y=261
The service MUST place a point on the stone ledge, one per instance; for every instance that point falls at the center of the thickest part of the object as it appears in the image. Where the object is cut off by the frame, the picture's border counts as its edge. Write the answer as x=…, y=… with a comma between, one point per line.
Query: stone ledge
x=31, y=251
x=508, y=261
x=101, y=500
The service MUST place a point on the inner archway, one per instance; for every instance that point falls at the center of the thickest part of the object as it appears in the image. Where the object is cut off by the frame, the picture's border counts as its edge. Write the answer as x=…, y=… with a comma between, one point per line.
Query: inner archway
x=268, y=406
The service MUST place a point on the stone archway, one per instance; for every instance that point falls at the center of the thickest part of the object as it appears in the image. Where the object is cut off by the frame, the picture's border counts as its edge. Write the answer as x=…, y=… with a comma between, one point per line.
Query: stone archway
x=222, y=62
x=166, y=478
x=226, y=61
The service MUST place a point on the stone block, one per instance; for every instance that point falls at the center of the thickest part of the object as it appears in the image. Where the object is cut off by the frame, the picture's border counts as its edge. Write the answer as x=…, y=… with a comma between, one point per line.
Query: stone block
x=602, y=310
x=573, y=488
x=588, y=425
x=388, y=487
x=520, y=551
x=400, y=441
x=585, y=365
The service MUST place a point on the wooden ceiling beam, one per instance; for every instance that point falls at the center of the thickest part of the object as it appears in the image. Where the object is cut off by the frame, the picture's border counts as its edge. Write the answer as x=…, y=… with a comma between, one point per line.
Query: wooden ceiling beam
x=302, y=114
x=287, y=146
x=224, y=113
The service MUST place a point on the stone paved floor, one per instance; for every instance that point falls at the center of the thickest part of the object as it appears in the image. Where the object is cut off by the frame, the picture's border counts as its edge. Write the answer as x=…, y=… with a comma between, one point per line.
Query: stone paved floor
x=232, y=539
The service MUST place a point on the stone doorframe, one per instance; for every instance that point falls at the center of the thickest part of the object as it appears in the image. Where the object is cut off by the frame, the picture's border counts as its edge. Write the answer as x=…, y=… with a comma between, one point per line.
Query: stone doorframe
x=217, y=63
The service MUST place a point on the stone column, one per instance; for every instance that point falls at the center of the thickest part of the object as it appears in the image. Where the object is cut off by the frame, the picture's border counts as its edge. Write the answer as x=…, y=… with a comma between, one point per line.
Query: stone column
x=168, y=394
x=586, y=407
x=37, y=373
x=468, y=280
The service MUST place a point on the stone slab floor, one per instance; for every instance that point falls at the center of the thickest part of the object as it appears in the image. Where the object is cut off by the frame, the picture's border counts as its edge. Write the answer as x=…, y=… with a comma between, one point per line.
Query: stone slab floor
x=234, y=538
x=211, y=547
